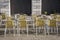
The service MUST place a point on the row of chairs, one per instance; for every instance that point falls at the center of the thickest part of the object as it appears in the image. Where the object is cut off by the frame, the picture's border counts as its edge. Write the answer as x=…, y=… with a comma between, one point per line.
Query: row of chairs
x=20, y=22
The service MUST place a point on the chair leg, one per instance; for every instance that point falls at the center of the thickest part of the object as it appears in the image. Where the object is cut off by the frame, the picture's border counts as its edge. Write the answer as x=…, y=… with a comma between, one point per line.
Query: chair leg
x=36, y=31
x=51, y=30
x=5, y=32
x=9, y=30
x=27, y=31
x=45, y=31
x=57, y=30
x=39, y=29
x=18, y=31
x=33, y=27
x=14, y=32
x=54, y=30
x=48, y=30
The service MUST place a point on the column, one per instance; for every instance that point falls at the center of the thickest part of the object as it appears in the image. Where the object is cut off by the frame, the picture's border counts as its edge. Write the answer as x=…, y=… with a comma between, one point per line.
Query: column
x=36, y=7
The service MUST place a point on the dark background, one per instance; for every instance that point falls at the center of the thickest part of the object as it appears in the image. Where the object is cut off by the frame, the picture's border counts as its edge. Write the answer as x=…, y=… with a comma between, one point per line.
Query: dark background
x=24, y=6
x=51, y=6
x=21, y=6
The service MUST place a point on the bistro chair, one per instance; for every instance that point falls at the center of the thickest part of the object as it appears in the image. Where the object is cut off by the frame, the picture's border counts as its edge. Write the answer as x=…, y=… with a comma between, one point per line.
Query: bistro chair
x=58, y=23
x=52, y=25
x=22, y=24
x=40, y=24
x=9, y=25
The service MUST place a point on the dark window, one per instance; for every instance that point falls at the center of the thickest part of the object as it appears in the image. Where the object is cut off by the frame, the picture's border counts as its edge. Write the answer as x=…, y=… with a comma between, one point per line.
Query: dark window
x=21, y=6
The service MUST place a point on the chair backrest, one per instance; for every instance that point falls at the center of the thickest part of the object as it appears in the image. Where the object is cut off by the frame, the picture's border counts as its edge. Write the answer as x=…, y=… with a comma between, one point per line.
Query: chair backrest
x=9, y=22
x=40, y=22
x=54, y=16
x=22, y=17
x=52, y=23
x=34, y=16
x=8, y=18
x=58, y=18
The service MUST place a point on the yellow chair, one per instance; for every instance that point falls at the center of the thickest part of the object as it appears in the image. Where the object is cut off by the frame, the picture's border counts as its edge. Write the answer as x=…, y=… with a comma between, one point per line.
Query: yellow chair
x=40, y=23
x=22, y=21
x=52, y=25
x=9, y=24
x=22, y=24
x=58, y=22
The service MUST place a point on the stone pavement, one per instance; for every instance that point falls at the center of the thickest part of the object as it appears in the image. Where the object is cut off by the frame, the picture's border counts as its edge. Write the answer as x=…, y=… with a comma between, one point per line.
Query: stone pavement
x=30, y=37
